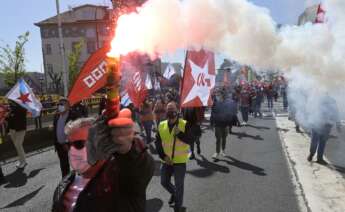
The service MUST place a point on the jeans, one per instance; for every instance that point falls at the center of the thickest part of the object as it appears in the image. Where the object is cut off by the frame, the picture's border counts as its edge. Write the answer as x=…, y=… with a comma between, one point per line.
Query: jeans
x=318, y=142
x=257, y=110
x=270, y=102
x=285, y=101
x=221, y=134
x=148, y=130
x=244, y=111
x=177, y=190
x=18, y=139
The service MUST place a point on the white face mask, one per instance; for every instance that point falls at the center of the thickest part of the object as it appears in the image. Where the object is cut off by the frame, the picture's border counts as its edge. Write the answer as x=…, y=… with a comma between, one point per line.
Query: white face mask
x=61, y=108
x=78, y=159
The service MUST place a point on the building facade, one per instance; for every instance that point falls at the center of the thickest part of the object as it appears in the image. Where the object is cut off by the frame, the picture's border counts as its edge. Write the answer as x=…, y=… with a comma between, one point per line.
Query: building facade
x=89, y=24
x=309, y=15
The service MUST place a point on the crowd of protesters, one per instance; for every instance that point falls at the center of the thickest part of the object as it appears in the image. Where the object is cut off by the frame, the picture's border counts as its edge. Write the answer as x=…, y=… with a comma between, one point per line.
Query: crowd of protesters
x=104, y=162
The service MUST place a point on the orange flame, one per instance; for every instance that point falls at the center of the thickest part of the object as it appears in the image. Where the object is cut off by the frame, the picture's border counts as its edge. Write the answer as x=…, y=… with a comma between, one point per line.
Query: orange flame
x=126, y=39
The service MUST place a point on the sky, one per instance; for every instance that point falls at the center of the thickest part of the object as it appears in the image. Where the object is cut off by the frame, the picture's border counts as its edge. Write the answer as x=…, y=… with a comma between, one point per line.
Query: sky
x=18, y=16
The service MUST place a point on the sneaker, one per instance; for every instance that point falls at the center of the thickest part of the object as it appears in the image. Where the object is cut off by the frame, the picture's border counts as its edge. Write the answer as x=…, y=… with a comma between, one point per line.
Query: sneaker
x=244, y=123
x=192, y=156
x=222, y=153
x=198, y=150
x=21, y=165
x=171, y=200
x=322, y=162
x=215, y=156
x=310, y=158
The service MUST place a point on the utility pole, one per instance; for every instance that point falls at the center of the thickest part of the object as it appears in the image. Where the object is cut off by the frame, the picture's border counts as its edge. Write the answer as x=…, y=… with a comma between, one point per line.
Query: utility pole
x=62, y=51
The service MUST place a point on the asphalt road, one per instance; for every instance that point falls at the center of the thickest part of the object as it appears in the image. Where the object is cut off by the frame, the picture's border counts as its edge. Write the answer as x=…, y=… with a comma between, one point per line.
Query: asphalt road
x=254, y=177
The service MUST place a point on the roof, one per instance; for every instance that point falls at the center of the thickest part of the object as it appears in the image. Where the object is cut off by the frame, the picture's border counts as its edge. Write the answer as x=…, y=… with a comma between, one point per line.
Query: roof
x=69, y=16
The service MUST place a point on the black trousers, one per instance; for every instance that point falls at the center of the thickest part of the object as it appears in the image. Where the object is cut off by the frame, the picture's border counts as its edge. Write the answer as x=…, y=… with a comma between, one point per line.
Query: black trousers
x=221, y=133
x=1, y=174
x=63, y=157
x=197, y=142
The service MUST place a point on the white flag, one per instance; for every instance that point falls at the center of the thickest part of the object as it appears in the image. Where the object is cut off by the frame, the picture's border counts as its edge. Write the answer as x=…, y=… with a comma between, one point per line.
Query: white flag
x=157, y=85
x=22, y=94
x=125, y=100
x=169, y=72
x=148, y=83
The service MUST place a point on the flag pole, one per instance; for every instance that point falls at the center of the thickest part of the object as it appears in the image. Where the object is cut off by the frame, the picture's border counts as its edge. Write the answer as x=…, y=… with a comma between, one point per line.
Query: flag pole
x=182, y=80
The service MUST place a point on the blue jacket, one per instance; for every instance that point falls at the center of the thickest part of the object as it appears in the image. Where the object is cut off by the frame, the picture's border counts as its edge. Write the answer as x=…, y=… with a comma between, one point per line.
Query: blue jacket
x=223, y=113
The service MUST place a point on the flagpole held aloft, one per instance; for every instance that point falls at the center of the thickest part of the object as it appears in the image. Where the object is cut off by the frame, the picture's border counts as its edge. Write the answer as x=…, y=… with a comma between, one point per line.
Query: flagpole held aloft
x=183, y=76
x=62, y=51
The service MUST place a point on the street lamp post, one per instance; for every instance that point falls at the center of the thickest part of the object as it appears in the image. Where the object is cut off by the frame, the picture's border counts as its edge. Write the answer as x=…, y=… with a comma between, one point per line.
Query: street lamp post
x=62, y=50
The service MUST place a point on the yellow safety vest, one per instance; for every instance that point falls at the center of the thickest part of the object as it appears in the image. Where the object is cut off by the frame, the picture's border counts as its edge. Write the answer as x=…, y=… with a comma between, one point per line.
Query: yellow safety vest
x=182, y=150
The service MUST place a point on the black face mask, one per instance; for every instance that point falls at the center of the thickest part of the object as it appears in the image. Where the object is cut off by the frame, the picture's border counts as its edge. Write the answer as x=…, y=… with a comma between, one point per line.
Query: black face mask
x=171, y=114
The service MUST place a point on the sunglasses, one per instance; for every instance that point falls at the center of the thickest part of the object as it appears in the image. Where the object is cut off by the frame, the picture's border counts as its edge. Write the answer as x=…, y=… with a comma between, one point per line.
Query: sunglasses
x=79, y=144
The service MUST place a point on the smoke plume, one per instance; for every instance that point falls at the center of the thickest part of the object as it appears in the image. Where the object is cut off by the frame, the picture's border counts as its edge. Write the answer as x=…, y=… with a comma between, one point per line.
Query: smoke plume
x=312, y=53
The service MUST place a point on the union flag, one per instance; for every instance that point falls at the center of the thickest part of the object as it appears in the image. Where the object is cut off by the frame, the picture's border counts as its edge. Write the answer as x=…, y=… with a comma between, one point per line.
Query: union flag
x=198, y=79
x=91, y=78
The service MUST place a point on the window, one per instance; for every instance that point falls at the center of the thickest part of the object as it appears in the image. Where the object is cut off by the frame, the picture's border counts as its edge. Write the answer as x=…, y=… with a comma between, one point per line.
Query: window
x=50, y=68
x=91, y=47
x=48, y=49
x=88, y=15
x=90, y=32
x=74, y=44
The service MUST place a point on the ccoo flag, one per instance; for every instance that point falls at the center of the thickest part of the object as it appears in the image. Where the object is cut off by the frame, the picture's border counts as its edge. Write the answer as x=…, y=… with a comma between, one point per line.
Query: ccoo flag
x=91, y=78
x=198, y=79
x=22, y=94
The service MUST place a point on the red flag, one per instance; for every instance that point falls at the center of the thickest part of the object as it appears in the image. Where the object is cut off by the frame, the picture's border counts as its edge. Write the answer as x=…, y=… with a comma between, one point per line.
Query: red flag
x=133, y=82
x=198, y=79
x=320, y=15
x=91, y=78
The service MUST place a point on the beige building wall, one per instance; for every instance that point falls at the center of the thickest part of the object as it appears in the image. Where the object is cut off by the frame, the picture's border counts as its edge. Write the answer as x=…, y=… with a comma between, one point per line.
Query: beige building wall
x=86, y=23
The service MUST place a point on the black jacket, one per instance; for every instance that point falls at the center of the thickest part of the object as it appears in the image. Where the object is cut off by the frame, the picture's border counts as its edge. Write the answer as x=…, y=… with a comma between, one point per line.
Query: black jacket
x=17, y=117
x=223, y=113
x=119, y=186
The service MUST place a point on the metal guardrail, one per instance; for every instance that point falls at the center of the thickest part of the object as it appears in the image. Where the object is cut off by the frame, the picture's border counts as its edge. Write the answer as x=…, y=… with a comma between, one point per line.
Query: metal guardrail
x=50, y=107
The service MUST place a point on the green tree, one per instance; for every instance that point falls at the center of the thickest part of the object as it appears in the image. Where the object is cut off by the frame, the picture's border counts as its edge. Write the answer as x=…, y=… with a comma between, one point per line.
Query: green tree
x=73, y=62
x=12, y=61
x=56, y=79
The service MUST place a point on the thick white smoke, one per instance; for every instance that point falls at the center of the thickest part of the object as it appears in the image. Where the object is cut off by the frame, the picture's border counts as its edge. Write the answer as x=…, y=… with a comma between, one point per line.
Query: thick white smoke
x=314, y=53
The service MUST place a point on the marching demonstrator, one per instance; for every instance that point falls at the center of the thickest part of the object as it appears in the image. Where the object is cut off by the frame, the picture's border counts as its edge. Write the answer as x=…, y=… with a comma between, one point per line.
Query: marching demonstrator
x=173, y=149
